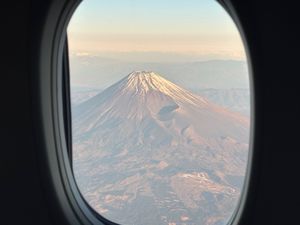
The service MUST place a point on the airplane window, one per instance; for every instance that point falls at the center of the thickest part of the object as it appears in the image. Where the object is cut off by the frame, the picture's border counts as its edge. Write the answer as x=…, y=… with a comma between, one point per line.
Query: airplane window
x=160, y=110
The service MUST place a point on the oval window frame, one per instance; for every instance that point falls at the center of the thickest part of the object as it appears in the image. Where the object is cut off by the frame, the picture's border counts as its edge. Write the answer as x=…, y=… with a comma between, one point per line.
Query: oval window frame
x=60, y=185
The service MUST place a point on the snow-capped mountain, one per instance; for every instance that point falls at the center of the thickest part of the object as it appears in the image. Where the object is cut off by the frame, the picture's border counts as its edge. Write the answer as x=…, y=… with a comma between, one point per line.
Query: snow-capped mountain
x=146, y=143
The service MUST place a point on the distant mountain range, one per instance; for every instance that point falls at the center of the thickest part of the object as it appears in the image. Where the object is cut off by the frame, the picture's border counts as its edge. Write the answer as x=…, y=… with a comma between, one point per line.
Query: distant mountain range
x=235, y=99
x=148, y=152
x=216, y=74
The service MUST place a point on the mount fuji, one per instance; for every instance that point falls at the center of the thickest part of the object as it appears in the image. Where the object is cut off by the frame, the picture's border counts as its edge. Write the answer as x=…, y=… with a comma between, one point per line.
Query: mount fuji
x=145, y=144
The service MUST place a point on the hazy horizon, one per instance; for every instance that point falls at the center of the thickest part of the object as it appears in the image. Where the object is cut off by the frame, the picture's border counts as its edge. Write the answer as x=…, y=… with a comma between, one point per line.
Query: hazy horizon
x=194, y=44
x=193, y=30
x=99, y=72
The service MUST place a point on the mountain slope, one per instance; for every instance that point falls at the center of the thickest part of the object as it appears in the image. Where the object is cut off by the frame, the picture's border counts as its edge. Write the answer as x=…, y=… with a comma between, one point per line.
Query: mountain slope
x=144, y=139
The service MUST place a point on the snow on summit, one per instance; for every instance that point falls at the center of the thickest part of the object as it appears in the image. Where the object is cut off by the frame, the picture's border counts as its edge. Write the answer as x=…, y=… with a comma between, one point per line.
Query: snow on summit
x=147, y=81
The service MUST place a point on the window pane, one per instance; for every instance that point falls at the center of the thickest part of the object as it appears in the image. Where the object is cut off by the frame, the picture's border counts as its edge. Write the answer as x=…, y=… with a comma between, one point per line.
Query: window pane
x=160, y=110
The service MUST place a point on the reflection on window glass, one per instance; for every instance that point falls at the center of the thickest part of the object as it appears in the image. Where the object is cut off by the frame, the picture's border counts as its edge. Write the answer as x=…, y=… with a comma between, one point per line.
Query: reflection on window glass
x=160, y=110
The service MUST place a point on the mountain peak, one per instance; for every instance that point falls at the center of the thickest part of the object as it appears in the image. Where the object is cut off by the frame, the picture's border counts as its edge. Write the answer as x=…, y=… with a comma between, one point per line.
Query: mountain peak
x=147, y=83
x=144, y=76
x=144, y=81
x=141, y=74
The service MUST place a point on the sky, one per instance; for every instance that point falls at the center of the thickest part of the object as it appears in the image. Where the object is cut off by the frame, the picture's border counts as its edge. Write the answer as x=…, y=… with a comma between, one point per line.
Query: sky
x=143, y=30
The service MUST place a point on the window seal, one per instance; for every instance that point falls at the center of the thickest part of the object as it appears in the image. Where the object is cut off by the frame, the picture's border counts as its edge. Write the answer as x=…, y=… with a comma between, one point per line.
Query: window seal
x=66, y=92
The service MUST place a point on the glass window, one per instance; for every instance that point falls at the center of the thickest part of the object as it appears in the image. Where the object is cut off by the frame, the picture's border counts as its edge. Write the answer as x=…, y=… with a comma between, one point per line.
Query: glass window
x=160, y=110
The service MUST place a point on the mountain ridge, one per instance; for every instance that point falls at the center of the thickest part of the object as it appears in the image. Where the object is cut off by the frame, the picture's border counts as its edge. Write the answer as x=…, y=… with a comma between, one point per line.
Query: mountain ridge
x=142, y=93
